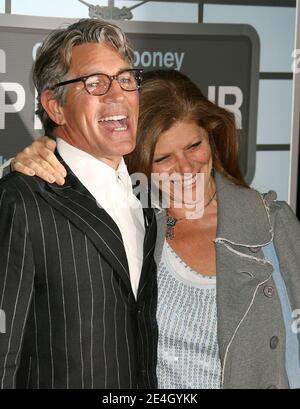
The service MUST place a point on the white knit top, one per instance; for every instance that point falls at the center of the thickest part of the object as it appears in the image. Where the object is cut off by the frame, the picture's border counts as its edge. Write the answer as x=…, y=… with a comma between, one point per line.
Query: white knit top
x=188, y=356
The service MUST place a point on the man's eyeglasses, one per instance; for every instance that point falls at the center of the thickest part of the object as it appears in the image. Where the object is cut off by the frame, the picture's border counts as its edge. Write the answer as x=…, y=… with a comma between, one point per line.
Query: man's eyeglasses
x=99, y=84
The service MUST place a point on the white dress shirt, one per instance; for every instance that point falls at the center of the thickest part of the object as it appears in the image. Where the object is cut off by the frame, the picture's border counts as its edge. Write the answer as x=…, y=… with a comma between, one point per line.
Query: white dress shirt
x=112, y=190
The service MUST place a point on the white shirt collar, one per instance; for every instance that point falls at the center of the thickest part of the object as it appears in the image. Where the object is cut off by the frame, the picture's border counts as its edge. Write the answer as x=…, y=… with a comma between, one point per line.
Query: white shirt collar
x=92, y=172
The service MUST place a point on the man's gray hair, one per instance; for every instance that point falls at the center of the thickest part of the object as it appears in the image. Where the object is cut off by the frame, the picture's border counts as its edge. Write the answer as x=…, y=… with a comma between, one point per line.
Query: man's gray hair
x=54, y=57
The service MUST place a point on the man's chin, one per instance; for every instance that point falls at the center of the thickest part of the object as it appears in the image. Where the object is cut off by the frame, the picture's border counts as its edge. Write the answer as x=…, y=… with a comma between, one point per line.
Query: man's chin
x=126, y=146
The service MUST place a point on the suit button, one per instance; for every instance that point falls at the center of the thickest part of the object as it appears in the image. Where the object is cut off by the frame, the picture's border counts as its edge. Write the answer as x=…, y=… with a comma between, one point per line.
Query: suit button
x=254, y=249
x=274, y=342
x=268, y=291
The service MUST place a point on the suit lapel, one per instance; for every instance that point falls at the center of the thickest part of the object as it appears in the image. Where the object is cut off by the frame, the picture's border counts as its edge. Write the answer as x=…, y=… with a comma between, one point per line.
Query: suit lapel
x=149, y=245
x=76, y=203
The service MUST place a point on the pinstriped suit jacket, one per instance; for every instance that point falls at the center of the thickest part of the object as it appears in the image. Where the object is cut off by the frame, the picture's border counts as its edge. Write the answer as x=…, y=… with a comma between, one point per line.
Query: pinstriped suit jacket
x=71, y=317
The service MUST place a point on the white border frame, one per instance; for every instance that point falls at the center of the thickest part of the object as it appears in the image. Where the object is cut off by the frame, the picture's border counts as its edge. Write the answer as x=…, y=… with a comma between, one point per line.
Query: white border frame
x=294, y=151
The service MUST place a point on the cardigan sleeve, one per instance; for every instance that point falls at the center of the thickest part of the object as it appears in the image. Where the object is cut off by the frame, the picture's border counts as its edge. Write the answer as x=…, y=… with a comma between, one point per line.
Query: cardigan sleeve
x=287, y=245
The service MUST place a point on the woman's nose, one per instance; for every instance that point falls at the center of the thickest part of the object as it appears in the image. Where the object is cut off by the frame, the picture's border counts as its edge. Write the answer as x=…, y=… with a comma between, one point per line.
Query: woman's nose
x=184, y=165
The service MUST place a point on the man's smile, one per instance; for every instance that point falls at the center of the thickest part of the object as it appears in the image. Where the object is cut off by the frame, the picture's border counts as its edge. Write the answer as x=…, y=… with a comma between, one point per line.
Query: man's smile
x=115, y=122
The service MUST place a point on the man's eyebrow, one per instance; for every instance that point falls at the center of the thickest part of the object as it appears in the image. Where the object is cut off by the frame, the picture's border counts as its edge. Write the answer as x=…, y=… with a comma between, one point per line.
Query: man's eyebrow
x=125, y=69
x=93, y=72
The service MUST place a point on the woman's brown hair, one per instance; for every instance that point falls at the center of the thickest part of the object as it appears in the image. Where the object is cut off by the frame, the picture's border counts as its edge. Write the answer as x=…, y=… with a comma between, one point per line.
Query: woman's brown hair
x=170, y=96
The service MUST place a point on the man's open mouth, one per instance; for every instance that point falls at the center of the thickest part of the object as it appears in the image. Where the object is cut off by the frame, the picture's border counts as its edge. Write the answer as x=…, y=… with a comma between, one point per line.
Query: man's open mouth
x=115, y=122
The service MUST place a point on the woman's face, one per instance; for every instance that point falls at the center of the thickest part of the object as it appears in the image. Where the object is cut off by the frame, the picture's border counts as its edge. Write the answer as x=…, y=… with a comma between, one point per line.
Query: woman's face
x=184, y=149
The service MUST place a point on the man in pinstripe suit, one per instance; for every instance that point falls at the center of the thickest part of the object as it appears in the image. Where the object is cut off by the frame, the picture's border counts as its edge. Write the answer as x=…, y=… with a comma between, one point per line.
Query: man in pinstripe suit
x=77, y=274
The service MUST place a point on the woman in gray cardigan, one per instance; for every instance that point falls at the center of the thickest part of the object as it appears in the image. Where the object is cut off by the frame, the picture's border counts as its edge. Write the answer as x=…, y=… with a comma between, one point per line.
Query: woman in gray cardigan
x=229, y=280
